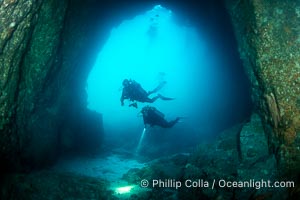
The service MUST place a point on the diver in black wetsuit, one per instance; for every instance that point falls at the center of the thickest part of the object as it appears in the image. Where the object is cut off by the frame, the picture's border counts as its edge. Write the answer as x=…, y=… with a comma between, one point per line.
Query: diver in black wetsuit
x=153, y=117
x=134, y=92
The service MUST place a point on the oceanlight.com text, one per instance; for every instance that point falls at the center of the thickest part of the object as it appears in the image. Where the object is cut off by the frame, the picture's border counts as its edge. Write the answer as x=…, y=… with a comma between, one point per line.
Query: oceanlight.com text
x=221, y=183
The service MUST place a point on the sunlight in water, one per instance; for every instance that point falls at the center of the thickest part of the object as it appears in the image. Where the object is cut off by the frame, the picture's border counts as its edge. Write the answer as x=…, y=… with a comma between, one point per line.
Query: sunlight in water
x=149, y=48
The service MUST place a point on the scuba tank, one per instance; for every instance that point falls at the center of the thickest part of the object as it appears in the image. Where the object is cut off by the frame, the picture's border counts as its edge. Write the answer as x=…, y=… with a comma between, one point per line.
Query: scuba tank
x=157, y=112
x=148, y=110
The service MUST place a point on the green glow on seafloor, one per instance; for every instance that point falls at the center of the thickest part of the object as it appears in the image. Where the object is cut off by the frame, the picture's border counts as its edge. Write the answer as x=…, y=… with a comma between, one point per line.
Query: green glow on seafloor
x=124, y=190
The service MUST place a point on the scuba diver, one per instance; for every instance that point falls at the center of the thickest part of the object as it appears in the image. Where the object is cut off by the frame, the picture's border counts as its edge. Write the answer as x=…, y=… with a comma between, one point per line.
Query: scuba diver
x=134, y=92
x=153, y=117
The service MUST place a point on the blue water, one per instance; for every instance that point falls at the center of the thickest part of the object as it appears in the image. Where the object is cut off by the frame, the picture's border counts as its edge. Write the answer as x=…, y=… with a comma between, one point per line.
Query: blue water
x=150, y=48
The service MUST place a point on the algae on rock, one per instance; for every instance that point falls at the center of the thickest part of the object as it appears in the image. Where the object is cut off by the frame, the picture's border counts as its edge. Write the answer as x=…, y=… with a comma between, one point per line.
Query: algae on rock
x=268, y=36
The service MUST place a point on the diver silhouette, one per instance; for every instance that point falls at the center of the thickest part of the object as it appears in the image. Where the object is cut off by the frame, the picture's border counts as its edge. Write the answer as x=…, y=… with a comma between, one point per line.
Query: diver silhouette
x=154, y=117
x=134, y=92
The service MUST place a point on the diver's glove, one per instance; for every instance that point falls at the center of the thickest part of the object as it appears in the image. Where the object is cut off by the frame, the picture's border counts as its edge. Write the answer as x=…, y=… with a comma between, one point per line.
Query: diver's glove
x=134, y=105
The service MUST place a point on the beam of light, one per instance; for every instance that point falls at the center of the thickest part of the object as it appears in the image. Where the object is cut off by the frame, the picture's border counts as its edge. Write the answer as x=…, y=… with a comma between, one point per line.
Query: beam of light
x=140, y=142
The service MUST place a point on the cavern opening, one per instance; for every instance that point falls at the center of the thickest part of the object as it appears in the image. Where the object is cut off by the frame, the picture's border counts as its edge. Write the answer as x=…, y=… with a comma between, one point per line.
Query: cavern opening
x=66, y=135
x=197, y=59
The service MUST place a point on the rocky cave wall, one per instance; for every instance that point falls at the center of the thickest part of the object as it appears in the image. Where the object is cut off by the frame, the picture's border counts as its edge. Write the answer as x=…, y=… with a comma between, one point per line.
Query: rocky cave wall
x=46, y=52
x=268, y=34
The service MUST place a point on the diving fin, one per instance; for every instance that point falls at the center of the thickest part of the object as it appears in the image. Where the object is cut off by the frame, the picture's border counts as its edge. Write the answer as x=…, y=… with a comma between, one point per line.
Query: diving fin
x=180, y=119
x=165, y=98
x=161, y=85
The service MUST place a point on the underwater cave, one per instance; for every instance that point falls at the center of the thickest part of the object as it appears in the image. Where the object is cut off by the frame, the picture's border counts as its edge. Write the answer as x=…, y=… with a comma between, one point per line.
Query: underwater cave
x=160, y=46
x=211, y=97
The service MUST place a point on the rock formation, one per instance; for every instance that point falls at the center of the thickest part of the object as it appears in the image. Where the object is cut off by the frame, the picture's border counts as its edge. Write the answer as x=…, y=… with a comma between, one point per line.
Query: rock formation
x=269, y=43
x=44, y=51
